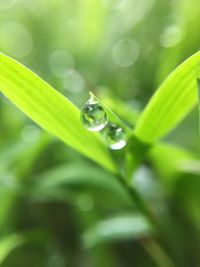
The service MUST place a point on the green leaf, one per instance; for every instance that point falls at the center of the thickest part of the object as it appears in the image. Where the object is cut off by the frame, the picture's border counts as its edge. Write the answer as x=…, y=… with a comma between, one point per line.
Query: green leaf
x=51, y=110
x=198, y=89
x=11, y=241
x=126, y=111
x=113, y=117
x=87, y=176
x=8, y=244
x=15, y=166
x=122, y=227
x=191, y=166
x=174, y=99
x=175, y=158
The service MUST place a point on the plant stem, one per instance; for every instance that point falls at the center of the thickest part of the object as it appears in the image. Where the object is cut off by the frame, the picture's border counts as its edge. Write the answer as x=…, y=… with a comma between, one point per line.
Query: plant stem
x=151, y=246
x=141, y=205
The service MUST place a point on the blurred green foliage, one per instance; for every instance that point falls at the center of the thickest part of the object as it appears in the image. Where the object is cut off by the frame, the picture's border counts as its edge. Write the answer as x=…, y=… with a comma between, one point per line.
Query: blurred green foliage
x=58, y=208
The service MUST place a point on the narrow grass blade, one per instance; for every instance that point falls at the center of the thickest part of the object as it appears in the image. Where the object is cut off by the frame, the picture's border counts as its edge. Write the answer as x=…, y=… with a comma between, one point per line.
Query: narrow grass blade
x=175, y=158
x=174, y=99
x=113, y=117
x=120, y=228
x=8, y=244
x=51, y=110
x=198, y=89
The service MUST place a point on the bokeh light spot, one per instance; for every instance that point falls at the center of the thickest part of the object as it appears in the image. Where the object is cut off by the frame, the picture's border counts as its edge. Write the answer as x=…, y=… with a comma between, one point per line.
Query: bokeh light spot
x=30, y=133
x=85, y=202
x=6, y=4
x=125, y=52
x=114, y=4
x=172, y=36
x=73, y=82
x=15, y=40
x=60, y=62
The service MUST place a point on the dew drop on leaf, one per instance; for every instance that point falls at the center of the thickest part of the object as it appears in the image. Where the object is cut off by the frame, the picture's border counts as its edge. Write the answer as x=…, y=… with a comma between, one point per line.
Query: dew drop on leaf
x=93, y=115
x=115, y=136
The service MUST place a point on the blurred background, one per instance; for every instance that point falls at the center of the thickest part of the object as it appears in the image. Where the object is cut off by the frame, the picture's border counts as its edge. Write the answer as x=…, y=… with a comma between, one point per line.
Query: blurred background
x=58, y=208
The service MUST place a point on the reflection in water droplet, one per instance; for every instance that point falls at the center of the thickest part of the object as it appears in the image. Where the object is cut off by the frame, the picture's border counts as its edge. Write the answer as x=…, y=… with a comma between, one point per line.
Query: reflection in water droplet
x=125, y=52
x=93, y=115
x=115, y=136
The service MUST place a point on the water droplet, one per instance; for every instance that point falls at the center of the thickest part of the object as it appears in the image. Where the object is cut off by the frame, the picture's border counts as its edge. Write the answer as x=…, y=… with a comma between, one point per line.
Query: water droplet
x=93, y=115
x=115, y=136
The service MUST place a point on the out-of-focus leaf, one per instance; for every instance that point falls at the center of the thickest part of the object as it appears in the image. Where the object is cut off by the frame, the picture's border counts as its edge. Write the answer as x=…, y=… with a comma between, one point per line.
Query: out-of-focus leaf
x=51, y=110
x=171, y=103
x=91, y=13
x=190, y=166
x=118, y=228
x=179, y=37
x=12, y=241
x=84, y=176
x=10, y=153
x=198, y=88
x=8, y=244
x=18, y=164
x=168, y=159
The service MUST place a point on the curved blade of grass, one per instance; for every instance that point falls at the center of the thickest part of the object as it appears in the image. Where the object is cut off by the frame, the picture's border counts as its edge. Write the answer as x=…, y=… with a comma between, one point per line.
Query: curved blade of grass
x=198, y=92
x=174, y=158
x=12, y=241
x=123, y=227
x=113, y=118
x=86, y=176
x=171, y=103
x=51, y=110
x=8, y=244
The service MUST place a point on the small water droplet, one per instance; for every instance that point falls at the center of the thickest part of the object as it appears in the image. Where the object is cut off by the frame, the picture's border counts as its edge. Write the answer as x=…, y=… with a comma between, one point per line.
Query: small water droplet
x=93, y=115
x=115, y=136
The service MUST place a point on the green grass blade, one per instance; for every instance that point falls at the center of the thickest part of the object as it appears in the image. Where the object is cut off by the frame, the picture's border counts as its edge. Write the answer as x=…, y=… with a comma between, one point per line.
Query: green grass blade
x=113, y=118
x=119, y=228
x=171, y=103
x=86, y=176
x=51, y=110
x=198, y=93
x=8, y=244
x=174, y=157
